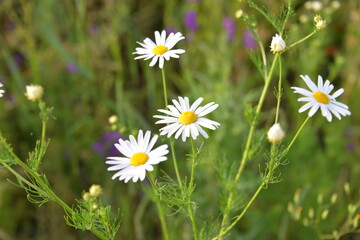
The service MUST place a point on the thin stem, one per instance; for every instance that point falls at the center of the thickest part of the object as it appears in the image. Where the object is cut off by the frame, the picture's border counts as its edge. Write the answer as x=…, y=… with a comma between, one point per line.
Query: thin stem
x=191, y=185
x=192, y=163
x=301, y=40
x=297, y=134
x=264, y=183
x=172, y=146
x=248, y=142
x=160, y=208
x=279, y=92
x=164, y=86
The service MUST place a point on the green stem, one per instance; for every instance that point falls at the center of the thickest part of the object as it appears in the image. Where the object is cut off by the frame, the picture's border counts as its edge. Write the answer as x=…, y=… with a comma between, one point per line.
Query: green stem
x=45, y=190
x=279, y=92
x=172, y=146
x=301, y=40
x=164, y=86
x=248, y=142
x=264, y=183
x=160, y=208
x=297, y=134
x=191, y=186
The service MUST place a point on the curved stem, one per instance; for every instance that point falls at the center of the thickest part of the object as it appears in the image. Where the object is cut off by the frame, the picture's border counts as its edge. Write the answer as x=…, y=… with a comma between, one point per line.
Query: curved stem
x=248, y=142
x=301, y=40
x=263, y=184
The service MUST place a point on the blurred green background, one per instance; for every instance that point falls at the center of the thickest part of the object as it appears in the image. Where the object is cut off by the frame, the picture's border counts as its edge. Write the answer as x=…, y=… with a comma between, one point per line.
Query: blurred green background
x=81, y=53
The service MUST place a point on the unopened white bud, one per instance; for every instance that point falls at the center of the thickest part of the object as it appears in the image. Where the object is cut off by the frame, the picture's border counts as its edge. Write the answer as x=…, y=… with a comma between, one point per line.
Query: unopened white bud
x=275, y=133
x=278, y=45
x=34, y=92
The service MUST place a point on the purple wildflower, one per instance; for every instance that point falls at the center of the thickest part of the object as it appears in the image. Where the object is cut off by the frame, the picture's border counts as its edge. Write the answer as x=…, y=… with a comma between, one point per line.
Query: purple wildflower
x=170, y=30
x=230, y=27
x=190, y=21
x=249, y=41
x=71, y=68
x=105, y=146
x=94, y=29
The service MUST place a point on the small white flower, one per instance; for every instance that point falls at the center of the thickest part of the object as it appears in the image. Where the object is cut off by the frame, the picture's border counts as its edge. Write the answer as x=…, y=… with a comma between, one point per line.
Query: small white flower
x=1, y=91
x=187, y=120
x=138, y=157
x=275, y=133
x=34, y=92
x=319, y=97
x=161, y=49
x=320, y=23
x=278, y=45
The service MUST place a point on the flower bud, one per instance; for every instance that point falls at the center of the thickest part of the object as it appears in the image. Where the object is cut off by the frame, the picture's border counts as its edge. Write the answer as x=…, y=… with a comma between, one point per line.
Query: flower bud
x=324, y=214
x=95, y=190
x=278, y=45
x=1, y=91
x=113, y=119
x=34, y=92
x=275, y=133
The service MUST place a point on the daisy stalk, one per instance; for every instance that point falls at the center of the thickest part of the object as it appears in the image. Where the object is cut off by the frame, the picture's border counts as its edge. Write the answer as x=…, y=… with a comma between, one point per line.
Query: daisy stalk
x=264, y=183
x=172, y=146
x=159, y=207
x=191, y=186
x=245, y=155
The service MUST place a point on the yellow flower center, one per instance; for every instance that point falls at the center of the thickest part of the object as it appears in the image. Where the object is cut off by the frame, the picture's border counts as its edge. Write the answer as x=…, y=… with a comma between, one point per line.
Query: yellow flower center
x=139, y=159
x=187, y=118
x=321, y=97
x=159, y=50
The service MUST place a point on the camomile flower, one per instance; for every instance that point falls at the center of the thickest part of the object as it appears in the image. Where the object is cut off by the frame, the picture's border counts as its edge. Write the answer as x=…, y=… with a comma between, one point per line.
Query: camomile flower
x=319, y=97
x=138, y=157
x=187, y=120
x=1, y=91
x=161, y=49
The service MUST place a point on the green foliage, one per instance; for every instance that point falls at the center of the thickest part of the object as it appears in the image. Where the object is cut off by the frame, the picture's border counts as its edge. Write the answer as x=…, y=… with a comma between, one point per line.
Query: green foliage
x=81, y=53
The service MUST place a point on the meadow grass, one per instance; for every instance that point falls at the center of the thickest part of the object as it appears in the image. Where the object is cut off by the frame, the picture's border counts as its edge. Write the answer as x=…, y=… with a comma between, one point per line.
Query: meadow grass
x=228, y=186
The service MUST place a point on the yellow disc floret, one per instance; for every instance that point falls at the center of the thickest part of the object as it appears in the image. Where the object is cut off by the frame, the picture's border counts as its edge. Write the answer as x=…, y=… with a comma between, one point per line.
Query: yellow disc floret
x=159, y=50
x=321, y=97
x=187, y=118
x=138, y=159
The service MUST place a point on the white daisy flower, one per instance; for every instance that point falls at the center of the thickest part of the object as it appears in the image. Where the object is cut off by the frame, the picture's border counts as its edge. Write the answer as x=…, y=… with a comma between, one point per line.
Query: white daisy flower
x=34, y=92
x=278, y=45
x=138, y=157
x=187, y=120
x=1, y=91
x=161, y=49
x=319, y=97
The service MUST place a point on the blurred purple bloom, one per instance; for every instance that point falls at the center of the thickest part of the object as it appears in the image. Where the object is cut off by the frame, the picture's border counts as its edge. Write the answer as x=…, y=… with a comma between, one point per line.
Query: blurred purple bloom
x=170, y=30
x=230, y=27
x=94, y=29
x=19, y=59
x=190, y=21
x=105, y=146
x=249, y=41
x=71, y=68
x=350, y=147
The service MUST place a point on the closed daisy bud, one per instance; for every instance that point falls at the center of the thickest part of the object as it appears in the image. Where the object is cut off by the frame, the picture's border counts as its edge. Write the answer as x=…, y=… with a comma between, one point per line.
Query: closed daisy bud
x=113, y=119
x=1, y=91
x=95, y=190
x=34, y=92
x=278, y=45
x=275, y=133
x=86, y=196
